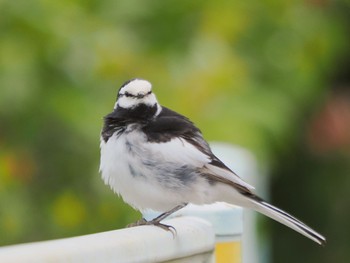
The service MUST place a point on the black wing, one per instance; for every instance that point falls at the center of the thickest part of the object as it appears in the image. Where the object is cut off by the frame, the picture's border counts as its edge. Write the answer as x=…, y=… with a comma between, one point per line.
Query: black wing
x=169, y=124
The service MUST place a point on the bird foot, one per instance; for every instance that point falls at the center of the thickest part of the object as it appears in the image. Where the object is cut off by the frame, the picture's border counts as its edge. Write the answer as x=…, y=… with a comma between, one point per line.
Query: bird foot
x=141, y=222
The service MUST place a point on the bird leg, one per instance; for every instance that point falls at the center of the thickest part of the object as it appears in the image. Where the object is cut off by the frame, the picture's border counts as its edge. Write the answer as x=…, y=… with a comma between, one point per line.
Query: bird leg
x=156, y=221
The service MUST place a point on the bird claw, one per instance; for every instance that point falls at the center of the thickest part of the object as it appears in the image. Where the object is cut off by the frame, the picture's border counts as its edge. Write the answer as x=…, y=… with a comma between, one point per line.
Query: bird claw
x=154, y=222
x=164, y=226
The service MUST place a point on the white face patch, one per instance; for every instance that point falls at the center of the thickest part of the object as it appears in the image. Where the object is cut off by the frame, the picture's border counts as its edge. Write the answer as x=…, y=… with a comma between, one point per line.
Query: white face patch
x=136, y=92
x=136, y=87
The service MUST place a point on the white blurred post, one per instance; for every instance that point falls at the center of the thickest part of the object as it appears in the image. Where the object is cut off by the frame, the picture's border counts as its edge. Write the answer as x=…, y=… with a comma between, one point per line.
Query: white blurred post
x=244, y=164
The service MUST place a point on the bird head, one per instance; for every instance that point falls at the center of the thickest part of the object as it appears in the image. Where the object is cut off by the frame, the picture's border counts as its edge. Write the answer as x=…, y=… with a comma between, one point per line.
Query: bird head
x=137, y=101
x=136, y=92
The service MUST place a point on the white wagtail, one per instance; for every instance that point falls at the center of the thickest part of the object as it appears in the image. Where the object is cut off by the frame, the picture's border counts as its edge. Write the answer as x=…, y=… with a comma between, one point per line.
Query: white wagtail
x=157, y=159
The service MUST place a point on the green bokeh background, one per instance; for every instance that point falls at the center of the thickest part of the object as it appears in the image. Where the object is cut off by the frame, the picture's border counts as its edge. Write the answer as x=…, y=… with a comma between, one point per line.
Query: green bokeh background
x=251, y=73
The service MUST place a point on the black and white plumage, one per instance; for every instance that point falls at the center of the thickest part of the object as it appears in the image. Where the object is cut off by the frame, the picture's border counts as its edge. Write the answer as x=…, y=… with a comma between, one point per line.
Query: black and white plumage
x=157, y=159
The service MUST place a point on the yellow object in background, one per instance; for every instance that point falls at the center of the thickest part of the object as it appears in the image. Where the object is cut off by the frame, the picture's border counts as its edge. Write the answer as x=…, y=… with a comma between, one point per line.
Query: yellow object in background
x=228, y=252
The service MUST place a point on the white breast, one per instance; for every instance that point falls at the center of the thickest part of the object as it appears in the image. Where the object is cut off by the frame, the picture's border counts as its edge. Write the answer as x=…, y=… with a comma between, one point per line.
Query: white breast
x=152, y=186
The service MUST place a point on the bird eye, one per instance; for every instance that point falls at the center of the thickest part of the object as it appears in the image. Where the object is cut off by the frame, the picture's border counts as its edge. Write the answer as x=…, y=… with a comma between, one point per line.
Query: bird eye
x=127, y=94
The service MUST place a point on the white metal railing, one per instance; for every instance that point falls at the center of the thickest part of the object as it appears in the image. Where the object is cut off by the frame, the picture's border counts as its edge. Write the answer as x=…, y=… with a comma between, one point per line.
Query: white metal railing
x=194, y=242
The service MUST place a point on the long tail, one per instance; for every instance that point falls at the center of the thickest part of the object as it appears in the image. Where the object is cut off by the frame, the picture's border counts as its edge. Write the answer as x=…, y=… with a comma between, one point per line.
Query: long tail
x=284, y=218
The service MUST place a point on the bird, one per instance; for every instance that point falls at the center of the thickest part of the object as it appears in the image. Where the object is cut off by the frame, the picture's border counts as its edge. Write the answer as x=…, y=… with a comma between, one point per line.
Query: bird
x=156, y=158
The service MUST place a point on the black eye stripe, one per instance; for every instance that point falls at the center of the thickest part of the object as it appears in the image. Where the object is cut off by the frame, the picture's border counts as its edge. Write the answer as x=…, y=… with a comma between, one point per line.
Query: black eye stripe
x=127, y=94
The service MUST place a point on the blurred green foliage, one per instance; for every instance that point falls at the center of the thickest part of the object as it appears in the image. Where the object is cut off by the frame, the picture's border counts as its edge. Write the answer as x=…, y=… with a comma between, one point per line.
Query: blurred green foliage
x=245, y=72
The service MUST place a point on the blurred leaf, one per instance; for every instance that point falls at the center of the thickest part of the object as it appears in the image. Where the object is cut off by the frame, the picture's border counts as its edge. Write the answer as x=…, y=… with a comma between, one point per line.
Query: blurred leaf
x=68, y=210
